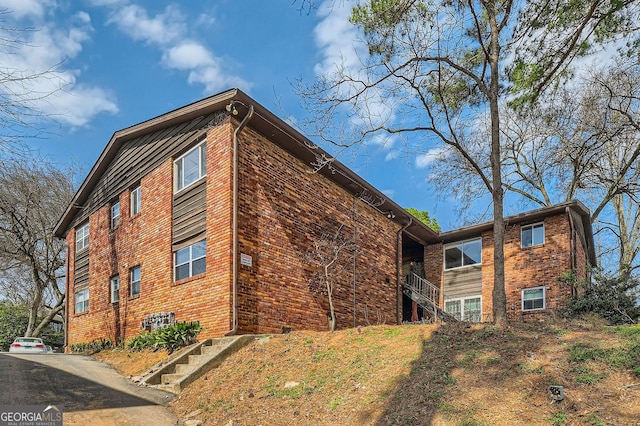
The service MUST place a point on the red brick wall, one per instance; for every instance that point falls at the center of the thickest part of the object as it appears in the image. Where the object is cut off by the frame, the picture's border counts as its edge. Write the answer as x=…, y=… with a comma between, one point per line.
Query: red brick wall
x=524, y=268
x=282, y=209
x=145, y=240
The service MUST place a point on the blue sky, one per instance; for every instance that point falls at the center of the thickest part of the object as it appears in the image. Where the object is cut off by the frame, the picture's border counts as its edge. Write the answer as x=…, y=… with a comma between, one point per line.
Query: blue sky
x=123, y=61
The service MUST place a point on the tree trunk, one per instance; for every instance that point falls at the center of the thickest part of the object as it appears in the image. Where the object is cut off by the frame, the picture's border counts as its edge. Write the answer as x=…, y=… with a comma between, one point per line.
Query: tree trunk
x=499, y=293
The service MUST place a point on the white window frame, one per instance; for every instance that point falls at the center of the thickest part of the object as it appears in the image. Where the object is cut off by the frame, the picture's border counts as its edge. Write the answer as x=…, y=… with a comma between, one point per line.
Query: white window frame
x=81, y=301
x=136, y=200
x=530, y=228
x=461, y=245
x=115, y=214
x=461, y=300
x=190, y=261
x=532, y=289
x=82, y=237
x=135, y=284
x=114, y=288
x=179, y=169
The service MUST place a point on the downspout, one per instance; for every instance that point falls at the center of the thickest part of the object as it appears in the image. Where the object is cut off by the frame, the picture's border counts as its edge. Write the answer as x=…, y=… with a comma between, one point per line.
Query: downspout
x=66, y=301
x=399, y=273
x=234, y=272
x=572, y=245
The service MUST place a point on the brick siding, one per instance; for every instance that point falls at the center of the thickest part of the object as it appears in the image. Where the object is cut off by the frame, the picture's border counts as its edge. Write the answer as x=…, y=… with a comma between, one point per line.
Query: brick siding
x=282, y=208
x=530, y=267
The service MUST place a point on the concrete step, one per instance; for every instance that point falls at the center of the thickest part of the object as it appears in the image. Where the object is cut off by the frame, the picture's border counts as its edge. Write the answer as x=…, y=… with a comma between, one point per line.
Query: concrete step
x=212, y=350
x=197, y=359
x=171, y=378
x=185, y=368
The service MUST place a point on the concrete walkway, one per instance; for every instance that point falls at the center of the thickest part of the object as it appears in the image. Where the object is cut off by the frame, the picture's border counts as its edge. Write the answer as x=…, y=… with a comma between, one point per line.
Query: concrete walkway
x=89, y=392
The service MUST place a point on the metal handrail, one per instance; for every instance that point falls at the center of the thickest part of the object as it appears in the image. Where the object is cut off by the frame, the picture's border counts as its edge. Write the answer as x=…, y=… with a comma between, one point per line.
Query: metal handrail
x=425, y=294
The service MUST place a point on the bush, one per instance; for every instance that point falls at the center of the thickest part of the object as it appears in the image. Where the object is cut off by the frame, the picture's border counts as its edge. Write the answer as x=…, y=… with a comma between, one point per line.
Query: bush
x=170, y=338
x=93, y=346
x=614, y=298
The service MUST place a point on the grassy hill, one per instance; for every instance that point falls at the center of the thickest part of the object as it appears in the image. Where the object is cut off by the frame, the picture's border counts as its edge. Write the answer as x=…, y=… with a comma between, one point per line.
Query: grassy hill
x=453, y=374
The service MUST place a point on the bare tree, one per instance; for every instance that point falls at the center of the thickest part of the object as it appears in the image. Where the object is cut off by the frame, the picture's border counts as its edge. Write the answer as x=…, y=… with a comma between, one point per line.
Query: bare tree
x=33, y=196
x=435, y=70
x=331, y=258
x=22, y=91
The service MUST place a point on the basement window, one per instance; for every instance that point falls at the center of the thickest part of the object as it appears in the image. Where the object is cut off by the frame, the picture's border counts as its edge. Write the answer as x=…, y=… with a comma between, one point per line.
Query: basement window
x=533, y=299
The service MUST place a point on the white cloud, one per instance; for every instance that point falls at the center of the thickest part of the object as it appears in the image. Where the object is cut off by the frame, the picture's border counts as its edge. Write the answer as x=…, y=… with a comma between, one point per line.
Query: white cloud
x=342, y=48
x=337, y=38
x=52, y=86
x=391, y=155
x=431, y=156
x=188, y=55
x=164, y=28
x=169, y=32
x=22, y=8
x=77, y=106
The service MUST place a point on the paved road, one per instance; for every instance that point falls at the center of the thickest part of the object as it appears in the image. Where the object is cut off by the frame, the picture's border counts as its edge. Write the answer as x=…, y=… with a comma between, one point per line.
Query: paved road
x=89, y=392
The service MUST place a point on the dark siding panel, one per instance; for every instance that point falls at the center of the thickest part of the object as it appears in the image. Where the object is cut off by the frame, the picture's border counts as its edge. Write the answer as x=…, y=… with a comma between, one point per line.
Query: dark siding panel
x=189, y=215
x=463, y=282
x=81, y=276
x=137, y=157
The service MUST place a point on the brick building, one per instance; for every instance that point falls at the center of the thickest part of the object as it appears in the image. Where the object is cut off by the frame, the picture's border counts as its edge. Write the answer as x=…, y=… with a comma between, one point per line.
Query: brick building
x=539, y=246
x=213, y=212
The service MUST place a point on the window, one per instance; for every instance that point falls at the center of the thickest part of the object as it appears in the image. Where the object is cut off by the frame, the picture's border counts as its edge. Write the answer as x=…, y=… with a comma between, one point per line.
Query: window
x=190, y=260
x=532, y=235
x=115, y=289
x=191, y=167
x=82, y=300
x=462, y=254
x=82, y=237
x=465, y=309
x=136, y=200
x=115, y=215
x=134, y=279
x=533, y=299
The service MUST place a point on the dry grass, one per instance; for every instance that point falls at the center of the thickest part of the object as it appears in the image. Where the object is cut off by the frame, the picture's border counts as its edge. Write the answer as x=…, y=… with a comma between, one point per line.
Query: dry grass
x=419, y=375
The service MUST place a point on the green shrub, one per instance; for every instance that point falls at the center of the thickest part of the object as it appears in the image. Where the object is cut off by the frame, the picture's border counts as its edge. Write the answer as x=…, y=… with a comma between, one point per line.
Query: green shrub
x=93, y=346
x=614, y=298
x=172, y=337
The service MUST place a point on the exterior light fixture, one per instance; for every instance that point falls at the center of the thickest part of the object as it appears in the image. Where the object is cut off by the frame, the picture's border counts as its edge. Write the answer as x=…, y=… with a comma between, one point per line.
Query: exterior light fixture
x=232, y=108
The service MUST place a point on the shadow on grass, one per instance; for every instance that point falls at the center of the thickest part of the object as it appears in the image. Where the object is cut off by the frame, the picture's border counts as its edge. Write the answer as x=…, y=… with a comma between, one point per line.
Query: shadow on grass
x=428, y=388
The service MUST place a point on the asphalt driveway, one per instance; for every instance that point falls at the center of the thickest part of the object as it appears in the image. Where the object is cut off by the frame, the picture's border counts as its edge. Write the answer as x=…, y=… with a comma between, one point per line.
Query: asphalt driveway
x=89, y=392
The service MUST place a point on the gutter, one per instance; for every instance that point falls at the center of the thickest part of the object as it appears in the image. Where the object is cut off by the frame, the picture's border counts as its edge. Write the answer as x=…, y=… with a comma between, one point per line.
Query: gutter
x=572, y=248
x=66, y=300
x=234, y=272
x=399, y=273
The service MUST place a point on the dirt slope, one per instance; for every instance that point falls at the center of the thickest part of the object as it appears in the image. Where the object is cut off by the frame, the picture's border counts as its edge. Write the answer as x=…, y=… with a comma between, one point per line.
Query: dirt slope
x=420, y=375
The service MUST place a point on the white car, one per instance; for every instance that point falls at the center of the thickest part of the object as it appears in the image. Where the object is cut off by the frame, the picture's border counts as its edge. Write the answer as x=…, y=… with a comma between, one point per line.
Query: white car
x=28, y=345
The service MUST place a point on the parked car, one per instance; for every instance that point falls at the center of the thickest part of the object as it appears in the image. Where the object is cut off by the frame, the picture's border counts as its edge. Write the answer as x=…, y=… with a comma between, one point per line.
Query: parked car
x=28, y=345
x=49, y=349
